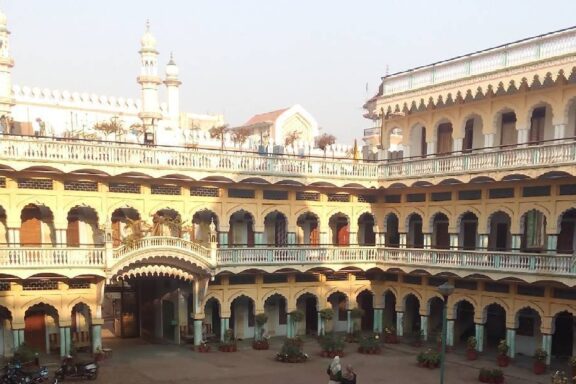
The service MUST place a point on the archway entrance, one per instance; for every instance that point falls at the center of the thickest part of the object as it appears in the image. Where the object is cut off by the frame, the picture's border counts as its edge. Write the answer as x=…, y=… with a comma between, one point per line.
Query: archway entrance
x=563, y=337
x=411, y=315
x=495, y=326
x=440, y=235
x=41, y=328
x=241, y=233
x=567, y=235
x=308, y=229
x=435, y=310
x=366, y=234
x=392, y=234
x=463, y=322
x=275, y=309
x=211, y=325
x=276, y=229
x=365, y=303
x=340, y=227
x=500, y=237
x=389, y=312
x=242, y=317
x=308, y=303
x=5, y=331
x=339, y=303
x=415, y=235
x=81, y=327
x=468, y=231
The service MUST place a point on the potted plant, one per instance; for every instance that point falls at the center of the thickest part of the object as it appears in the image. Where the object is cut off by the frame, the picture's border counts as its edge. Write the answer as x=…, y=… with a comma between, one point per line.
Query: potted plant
x=203, y=347
x=484, y=375
x=539, y=365
x=291, y=352
x=502, y=358
x=370, y=344
x=332, y=345
x=559, y=377
x=471, y=352
x=428, y=359
x=260, y=342
x=390, y=336
x=229, y=343
x=496, y=376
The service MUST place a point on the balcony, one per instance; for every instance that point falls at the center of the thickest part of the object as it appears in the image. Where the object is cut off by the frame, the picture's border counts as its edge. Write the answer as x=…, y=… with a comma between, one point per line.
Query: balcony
x=375, y=131
x=112, y=158
x=105, y=261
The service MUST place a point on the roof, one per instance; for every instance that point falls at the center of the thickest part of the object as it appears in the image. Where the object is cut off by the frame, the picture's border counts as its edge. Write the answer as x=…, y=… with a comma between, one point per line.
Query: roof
x=268, y=117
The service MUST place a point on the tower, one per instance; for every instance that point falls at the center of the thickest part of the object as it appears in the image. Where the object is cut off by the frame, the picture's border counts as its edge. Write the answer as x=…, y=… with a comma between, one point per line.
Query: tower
x=172, y=89
x=6, y=64
x=149, y=81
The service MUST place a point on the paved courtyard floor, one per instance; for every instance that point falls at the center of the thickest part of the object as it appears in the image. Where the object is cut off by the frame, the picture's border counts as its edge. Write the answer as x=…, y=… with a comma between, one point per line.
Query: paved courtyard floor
x=136, y=361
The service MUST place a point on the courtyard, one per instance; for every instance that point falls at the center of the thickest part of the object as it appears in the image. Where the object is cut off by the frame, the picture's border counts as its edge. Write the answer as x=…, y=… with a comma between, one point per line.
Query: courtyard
x=137, y=361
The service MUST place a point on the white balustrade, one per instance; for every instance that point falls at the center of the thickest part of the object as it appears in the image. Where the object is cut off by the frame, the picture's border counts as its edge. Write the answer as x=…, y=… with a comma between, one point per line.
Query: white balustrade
x=162, y=242
x=51, y=257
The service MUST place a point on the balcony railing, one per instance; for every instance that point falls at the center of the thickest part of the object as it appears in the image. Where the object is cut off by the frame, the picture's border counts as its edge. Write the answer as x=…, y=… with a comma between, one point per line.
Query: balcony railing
x=177, y=159
x=30, y=257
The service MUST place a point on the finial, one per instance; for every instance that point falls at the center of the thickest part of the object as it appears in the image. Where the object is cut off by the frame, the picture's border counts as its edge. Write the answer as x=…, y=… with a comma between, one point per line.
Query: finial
x=147, y=25
x=171, y=62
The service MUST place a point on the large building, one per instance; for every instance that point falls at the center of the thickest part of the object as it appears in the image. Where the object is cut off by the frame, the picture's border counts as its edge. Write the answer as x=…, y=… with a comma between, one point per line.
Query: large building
x=477, y=189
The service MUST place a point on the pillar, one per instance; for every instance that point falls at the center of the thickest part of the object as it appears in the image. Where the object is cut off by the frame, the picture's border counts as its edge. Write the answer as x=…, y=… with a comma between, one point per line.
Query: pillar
x=489, y=140
x=511, y=341
x=450, y=333
x=479, y=337
x=324, y=240
x=430, y=148
x=547, y=346
x=291, y=238
x=65, y=341
x=522, y=136
x=516, y=242
x=457, y=145
x=224, y=325
x=197, y=331
x=320, y=324
x=399, y=324
x=552, y=243
x=427, y=240
x=454, y=241
x=61, y=240
x=483, y=241
x=259, y=238
x=378, y=313
x=17, y=340
x=289, y=326
x=559, y=131
x=424, y=327
x=223, y=239
x=96, y=337
x=349, y=324
x=14, y=236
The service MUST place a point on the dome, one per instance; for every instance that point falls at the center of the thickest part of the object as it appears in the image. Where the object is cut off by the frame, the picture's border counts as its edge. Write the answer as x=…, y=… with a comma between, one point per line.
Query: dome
x=3, y=19
x=171, y=68
x=148, y=41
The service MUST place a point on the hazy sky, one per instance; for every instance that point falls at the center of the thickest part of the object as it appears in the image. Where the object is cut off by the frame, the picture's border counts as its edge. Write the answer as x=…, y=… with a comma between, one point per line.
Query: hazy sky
x=241, y=57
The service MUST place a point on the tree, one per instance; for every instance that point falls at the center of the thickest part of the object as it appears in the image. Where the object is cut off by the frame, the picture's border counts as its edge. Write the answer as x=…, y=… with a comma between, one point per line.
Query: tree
x=240, y=135
x=219, y=132
x=324, y=140
x=109, y=127
x=291, y=138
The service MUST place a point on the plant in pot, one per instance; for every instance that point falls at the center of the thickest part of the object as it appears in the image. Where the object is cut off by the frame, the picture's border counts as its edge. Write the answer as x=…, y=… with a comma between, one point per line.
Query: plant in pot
x=355, y=315
x=484, y=375
x=370, y=344
x=559, y=377
x=291, y=352
x=390, y=336
x=471, y=351
x=428, y=359
x=229, y=343
x=203, y=347
x=325, y=314
x=539, y=365
x=332, y=345
x=496, y=376
x=502, y=358
x=260, y=342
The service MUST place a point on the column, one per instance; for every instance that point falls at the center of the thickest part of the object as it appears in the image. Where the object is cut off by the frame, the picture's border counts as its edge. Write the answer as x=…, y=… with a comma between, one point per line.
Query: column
x=96, y=337
x=511, y=341
x=65, y=341
x=457, y=145
x=424, y=327
x=324, y=240
x=454, y=241
x=16, y=338
x=402, y=240
x=14, y=236
x=378, y=312
x=522, y=136
x=547, y=346
x=450, y=333
x=483, y=241
x=427, y=240
x=60, y=237
x=259, y=238
x=430, y=148
x=224, y=322
x=399, y=324
x=291, y=238
x=289, y=326
x=559, y=131
x=320, y=323
x=353, y=239
x=197, y=331
x=552, y=243
x=223, y=239
x=516, y=242
x=489, y=140
x=349, y=325
x=479, y=337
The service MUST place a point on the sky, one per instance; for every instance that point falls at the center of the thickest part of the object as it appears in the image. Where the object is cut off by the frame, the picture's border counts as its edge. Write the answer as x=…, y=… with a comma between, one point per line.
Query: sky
x=242, y=57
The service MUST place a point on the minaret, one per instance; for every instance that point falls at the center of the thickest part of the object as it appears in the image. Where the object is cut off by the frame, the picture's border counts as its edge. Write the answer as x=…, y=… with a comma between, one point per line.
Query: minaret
x=172, y=88
x=149, y=81
x=6, y=64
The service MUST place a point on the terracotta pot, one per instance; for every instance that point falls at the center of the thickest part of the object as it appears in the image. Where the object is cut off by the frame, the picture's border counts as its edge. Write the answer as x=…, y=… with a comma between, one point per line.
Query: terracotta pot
x=539, y=367
x=471, y=354
x=503, y=360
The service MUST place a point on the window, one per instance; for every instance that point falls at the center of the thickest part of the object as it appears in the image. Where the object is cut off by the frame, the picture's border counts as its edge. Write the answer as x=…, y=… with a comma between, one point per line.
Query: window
x=534, y=226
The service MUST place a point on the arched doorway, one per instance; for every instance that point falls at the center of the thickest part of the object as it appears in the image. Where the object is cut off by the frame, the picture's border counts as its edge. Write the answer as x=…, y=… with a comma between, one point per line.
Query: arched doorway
x=166, y=222
x=567, y=236
x=276, y=229
x=242, y=317
x=37, y=226
x=563, y=336
x=275, y=307
x=212, y=318
x=365, y=300
x=495, y=324
x=415, y=235
x=125, y=223
x=5, y=332
x=507, y=135
x=308, y=229
x=463, y=322
x=418, y=144
x=200, y=231
x=534, y=232
x=473, y=136
x=468, y=231
x=528, y=335
x=340, y=227
x=392, y=232
x=389, y=313
x=241, y=233
x=3, y=228
x=445, y=141
x=411, y=319
x=366, y=234
x=435, y=312
x=540, y=124
x=500, y=237
x=339, y=304
x=308, y=303
x=83, y=228
x=81, y=327
x=440, y=235
x=41, y=328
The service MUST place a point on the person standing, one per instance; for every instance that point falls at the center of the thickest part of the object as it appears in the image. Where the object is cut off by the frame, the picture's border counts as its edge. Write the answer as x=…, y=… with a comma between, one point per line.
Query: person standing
x=335, y=371
x=349, y=377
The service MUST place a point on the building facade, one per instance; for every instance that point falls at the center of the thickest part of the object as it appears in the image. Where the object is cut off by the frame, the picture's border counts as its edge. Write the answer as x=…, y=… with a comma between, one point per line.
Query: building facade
x=478, y=189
